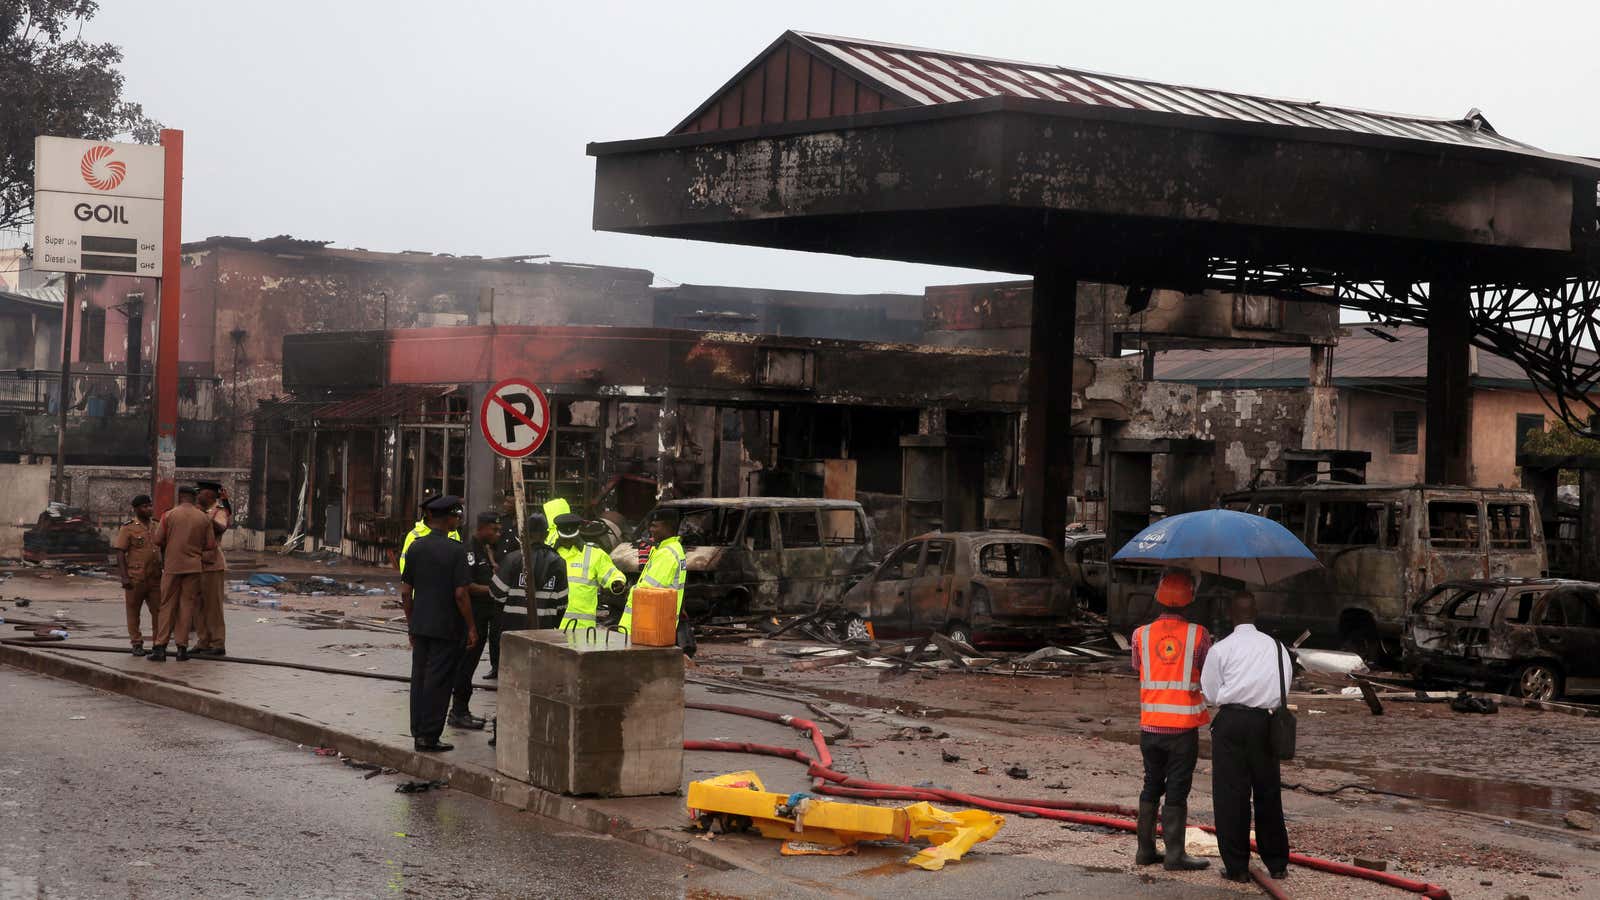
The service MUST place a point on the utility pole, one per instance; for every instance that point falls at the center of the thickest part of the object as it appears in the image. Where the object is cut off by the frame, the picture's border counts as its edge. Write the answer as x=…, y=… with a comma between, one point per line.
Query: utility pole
x=63, y=394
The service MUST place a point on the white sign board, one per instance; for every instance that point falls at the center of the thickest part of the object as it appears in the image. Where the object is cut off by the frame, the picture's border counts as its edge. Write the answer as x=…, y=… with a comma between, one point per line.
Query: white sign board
x=97, y=207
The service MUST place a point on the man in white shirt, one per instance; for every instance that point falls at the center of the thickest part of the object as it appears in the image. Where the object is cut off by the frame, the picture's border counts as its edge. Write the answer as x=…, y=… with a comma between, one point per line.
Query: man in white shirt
x=1241, y=679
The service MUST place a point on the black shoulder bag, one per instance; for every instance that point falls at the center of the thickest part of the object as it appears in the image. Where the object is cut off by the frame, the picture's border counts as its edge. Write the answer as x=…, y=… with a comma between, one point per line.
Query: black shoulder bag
x=1283, y=724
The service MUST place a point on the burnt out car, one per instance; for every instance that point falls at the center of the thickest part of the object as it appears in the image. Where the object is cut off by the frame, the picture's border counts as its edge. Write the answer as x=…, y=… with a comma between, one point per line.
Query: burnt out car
x=981, y=587
x=762, y=554
x=1085, y=558
x=1537, y=638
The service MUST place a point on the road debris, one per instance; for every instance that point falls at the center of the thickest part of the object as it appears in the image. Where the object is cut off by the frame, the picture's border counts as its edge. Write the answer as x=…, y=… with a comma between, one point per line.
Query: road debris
x=419, y=787
x=739, y=800
x=1581, y=820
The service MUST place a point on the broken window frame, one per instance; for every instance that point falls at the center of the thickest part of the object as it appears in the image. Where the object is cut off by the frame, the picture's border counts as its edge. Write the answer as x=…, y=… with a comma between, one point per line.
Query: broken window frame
x=808, y=542
x=1511, y=539
x=1379, y=531
x=1473, y=542
x=1404, y=440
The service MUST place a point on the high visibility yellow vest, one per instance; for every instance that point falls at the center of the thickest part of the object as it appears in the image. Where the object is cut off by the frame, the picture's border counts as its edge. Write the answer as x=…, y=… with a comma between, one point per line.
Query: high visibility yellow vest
x=553, y=508
x=667, y=567
x=420, y=529
x=588, y=568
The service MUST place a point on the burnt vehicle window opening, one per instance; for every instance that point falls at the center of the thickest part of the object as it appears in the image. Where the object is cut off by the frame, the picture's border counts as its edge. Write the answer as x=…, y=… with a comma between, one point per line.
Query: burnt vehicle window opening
x=759, y=536
x=708, y=526
x=843, y=526
x=1508, y=526
x=1290, y=515
x=1349, y=523
x=938, y=558
x=1465, y=607
x=1454, y=525
x=800, y=529
x=1436, y=601
x=1570, y=608
x=1520, y=606
x=903, y=564
x=1094, y=552
x=1014, y=561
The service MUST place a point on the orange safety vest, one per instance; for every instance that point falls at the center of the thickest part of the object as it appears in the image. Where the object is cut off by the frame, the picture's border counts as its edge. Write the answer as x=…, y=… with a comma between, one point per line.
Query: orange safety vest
x=1169, y=691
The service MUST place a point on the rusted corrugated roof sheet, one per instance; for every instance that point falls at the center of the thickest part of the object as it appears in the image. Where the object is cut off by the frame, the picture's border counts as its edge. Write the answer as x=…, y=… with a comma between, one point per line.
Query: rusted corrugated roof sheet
x=382, y=403
x=1363, y=357
x=916, y=76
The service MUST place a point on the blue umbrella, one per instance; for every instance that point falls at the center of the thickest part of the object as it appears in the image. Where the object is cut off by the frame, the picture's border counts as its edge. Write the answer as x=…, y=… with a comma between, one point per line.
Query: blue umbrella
x=1252, y=549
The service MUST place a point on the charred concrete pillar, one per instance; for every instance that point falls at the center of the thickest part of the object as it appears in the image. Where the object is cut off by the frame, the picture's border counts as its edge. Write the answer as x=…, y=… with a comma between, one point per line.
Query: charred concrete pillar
x=480, y=463
x=1047, y=466
x=1589, y=524
x=1321, y=430
x=1448, y=448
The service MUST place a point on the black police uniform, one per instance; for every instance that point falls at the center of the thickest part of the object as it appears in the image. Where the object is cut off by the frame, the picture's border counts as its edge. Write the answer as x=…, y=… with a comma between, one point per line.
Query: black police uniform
x=435, y=567
x=549, y=578
x=481, y=565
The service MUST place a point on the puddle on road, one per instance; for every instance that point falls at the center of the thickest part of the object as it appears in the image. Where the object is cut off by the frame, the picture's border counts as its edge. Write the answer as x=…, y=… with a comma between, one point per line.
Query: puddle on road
x=1511, y=799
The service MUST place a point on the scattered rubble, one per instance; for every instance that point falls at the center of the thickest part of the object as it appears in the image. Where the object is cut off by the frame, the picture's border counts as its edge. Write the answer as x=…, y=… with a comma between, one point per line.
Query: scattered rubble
x=1581, y=820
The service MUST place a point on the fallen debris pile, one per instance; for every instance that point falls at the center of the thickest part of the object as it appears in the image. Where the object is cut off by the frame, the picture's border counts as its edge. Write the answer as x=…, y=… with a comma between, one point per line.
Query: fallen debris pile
x=1096, y=649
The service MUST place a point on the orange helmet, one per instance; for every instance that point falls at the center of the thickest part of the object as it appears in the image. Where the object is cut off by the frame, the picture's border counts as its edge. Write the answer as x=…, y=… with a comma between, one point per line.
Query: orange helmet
x=1176, y=590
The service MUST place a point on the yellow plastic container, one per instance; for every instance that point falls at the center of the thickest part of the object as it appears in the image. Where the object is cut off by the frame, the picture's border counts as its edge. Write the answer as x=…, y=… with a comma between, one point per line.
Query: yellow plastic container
x=655, y=617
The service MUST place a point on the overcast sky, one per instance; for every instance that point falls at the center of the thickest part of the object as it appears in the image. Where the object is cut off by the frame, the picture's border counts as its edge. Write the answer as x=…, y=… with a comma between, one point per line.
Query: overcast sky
x=461, y=127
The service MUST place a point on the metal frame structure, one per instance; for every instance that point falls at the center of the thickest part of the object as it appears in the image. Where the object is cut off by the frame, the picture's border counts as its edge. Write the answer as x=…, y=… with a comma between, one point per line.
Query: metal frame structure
x=1550, y=328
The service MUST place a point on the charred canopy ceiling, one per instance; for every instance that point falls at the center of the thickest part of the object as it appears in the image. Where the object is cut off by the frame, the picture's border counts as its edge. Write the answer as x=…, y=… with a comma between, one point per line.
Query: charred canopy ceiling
x=992, y=164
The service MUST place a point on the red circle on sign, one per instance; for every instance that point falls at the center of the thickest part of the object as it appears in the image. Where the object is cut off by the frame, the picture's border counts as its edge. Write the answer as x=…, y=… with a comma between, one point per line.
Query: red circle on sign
x=494, y=402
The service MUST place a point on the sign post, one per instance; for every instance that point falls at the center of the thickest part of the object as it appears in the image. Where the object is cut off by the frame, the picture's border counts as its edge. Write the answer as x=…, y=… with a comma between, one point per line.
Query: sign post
x=164, y=467
x=103, y=208
x=514, y=418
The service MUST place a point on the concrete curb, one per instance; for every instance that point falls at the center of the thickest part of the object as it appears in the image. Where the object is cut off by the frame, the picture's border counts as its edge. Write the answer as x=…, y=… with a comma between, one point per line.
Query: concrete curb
x=475, y=780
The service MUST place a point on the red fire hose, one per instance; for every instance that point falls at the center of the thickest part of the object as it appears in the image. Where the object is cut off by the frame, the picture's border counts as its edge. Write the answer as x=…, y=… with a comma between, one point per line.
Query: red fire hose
x=826, y=781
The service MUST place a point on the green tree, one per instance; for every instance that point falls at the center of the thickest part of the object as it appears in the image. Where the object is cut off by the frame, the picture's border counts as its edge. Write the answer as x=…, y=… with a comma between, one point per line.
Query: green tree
x=54, y=82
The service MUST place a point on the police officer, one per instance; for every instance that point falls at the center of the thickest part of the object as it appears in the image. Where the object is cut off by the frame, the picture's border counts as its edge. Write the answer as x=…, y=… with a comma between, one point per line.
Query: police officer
x=421, y=530
x=667, y=567
x=553, y=510
x=510, y=534
x=139, y=565
x=1168, y=654
x=212, y=631
x=588, y=569
x=549, y=576
x=186, y=537
x=433, y=592
x=482, y=564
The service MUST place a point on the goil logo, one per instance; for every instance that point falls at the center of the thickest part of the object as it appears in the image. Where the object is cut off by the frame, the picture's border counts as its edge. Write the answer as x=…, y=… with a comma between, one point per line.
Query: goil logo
x=100, y=173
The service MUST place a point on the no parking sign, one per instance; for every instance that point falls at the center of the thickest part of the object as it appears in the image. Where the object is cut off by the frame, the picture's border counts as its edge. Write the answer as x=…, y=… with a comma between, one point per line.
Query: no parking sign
x=515, y=417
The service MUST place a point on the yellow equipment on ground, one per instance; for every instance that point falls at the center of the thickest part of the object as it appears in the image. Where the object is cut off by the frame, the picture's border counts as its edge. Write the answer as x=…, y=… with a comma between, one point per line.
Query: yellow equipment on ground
x=738, y=799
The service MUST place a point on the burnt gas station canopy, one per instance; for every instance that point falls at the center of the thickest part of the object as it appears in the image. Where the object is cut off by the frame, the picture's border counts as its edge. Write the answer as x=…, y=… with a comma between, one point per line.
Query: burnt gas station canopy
x=869, y=149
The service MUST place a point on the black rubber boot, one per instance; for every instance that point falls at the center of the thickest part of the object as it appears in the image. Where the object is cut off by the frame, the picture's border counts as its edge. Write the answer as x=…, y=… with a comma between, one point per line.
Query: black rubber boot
x=1147, y=854
x=1174, y=822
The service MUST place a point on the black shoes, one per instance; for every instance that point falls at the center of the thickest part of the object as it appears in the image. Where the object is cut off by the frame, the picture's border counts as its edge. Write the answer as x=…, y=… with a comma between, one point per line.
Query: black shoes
x=183, y=653
x=1241, y=877
x=157, y=654
x=208, y=651
x=1174, y=826
x=1147, y=854
x=467, y=720
x=493, y=674
x=138, y=650
x=1279, y=874
x=433, y=745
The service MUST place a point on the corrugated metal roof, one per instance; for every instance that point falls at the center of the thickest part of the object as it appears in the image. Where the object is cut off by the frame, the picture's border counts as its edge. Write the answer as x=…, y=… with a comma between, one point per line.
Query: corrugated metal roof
x=923, y=77
x=382, y=403
x=1362, y=356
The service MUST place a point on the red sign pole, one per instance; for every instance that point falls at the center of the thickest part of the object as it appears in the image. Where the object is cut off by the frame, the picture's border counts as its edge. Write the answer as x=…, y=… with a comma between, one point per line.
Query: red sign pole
x=164, y=471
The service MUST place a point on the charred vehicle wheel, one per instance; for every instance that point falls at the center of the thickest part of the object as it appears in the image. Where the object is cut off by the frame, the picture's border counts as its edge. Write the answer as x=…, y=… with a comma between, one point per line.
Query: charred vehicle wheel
x=855, y=629
x=959, y=631
x=1359, y=634
x=1537, y=681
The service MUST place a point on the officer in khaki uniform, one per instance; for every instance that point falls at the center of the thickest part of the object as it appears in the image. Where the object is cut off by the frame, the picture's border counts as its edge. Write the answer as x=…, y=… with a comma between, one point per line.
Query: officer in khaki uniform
x=139, y=565
x=185, y=536
x=209, y=626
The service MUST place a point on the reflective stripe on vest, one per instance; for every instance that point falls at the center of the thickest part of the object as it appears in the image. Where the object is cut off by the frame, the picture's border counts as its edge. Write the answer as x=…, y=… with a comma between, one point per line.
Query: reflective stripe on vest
x=1164, y=700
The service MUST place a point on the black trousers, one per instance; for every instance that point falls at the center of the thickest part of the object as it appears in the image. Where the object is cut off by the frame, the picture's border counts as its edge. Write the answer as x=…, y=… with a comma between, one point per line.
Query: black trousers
x=461, y=696
x=434, y=662
x=1168, y=765
x=493, y=637
x=1244, y=768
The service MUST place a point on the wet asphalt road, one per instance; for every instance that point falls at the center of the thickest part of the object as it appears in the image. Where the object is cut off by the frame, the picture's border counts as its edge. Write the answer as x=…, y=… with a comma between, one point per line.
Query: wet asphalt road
x=134, y=800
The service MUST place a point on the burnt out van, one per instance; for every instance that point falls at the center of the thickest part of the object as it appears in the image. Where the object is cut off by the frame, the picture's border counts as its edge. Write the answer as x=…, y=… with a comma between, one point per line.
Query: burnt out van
x=762, y=554
x=1382, y=548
